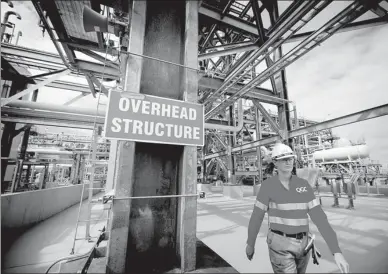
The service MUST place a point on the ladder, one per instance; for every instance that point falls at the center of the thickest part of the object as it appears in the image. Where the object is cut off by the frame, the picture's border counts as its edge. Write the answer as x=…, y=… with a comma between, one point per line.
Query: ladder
x=90, y=201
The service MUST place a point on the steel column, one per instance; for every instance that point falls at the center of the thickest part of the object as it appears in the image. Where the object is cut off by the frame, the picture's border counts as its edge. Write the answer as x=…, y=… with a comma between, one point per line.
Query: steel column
x=125, y=161
x=187, y=183
x=258, y=149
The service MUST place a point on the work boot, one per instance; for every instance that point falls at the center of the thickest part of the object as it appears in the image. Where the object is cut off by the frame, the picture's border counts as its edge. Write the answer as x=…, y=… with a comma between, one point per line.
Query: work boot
x=351, y=204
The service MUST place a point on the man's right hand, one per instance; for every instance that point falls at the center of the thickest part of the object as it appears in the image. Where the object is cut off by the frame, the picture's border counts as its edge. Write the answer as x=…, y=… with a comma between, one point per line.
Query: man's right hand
x=249, y=251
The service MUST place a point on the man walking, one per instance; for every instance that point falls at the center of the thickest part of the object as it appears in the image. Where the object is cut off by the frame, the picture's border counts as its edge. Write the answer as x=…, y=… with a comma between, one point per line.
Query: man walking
x=288, y=199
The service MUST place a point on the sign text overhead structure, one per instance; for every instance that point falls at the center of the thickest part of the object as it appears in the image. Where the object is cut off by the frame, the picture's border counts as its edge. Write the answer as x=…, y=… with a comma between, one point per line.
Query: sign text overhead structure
x=154, y=120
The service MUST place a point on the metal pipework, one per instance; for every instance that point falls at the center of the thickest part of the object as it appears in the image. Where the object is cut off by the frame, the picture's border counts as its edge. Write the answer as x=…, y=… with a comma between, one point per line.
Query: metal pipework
x=101, y=112
x=56, y=108
x=276, y=44
x=350, y=13
x=263, y=52
x=301, y=8
x=230, y=128
x=5, y=21
x=248, y=46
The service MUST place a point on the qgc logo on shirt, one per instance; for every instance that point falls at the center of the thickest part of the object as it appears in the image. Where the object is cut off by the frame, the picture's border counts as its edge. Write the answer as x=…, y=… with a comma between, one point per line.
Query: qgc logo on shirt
x=301, y=189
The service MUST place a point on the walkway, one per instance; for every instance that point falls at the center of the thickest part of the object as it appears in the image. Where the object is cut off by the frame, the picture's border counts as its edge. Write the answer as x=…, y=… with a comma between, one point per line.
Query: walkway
x=222, y=226
x=363, y=234
x=51, y=240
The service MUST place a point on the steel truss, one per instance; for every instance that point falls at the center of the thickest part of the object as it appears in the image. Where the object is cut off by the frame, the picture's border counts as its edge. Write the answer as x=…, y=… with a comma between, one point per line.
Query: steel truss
x=232, y=43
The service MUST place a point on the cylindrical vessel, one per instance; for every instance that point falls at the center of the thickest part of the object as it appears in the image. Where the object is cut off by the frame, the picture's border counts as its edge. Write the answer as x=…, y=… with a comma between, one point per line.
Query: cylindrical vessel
x=350, y=153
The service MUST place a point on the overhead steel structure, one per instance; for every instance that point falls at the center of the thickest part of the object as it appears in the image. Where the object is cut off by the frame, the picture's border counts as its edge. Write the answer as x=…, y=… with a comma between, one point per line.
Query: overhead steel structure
x=233, y=43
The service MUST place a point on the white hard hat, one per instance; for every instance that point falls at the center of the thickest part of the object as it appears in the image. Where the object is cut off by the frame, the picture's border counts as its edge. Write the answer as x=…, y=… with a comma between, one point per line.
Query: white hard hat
x=282, y=151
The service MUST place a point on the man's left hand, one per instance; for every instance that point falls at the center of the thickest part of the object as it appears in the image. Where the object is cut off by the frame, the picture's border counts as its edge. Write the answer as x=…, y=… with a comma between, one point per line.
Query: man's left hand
x=341, y=262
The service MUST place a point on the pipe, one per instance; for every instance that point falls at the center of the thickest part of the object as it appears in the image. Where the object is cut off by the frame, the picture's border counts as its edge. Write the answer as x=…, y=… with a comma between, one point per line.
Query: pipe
x=5, y=20
x=299, y=10
x=230, y=128
x=348, y=14
x=101, y=112
x=56, y=108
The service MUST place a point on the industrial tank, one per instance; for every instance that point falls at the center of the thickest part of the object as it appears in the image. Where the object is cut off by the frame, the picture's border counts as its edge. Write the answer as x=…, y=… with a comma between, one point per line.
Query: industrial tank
x=342, y=153
x=342, y=142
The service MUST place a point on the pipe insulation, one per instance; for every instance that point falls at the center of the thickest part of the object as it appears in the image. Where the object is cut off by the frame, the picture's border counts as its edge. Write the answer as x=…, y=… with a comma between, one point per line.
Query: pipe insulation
x=101, y=112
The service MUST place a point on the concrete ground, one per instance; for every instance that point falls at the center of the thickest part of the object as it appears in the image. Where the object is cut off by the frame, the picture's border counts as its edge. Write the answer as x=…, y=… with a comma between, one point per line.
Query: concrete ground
x=222, y=226
x=363, y=234
x=50, y=240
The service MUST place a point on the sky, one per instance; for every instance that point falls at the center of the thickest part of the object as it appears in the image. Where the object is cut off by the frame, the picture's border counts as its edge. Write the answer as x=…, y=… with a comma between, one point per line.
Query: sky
x=346, y=74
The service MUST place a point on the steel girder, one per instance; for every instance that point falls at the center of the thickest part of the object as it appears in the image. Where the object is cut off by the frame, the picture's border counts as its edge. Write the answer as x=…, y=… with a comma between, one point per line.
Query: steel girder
x=337, y=122
x=353, y=11
x=231, y=25
x=49, y=61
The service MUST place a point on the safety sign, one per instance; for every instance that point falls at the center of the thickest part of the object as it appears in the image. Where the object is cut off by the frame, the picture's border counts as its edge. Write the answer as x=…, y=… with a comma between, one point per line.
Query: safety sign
x=153, y=119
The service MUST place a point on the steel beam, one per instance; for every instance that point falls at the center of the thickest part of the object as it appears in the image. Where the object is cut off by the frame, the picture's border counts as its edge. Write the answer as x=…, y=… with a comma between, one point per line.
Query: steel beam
x=379, y=11
x=8, y=49
x=97, y=69
x=238, y=71
x=79, y=96
x=98, y=84
x=262, y=94
x=90, y=84
x=45, y=74
x=48, y=122
x=248, y=46
x=34, y=87
x=338, y=122
x=67, y=86
x=344, y=120
x=99, y=58
x=219, y=139
x=80, y=45
x=229, y=20
x=214, y=83
x=49, y=118
x=268, y=117
x=37, y=65
x=47, y=57
x=350, y=13
x=349, y=27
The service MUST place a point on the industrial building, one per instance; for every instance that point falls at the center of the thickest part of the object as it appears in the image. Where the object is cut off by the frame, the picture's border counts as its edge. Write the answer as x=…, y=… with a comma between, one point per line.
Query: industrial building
x=162, y=167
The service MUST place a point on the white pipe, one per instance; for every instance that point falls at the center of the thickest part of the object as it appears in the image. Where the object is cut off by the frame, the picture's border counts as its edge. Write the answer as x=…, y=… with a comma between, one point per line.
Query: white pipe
x=56, y=108
x=230, y=128
x=101, y=112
